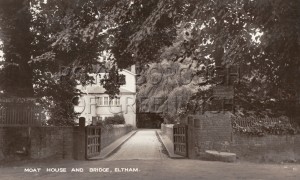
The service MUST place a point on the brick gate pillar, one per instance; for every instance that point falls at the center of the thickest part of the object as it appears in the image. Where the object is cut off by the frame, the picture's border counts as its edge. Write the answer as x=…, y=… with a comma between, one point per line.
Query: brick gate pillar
x=80, y=139
x=191, y=139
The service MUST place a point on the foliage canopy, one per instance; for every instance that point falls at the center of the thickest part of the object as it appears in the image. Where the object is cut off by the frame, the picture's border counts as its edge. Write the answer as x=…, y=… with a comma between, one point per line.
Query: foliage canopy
x=261, y=37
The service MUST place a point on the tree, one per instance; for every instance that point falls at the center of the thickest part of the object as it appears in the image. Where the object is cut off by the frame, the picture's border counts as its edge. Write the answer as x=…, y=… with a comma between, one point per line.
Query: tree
x=40, y=39
x=59, y=26
x=16, y=76
x=262, y=37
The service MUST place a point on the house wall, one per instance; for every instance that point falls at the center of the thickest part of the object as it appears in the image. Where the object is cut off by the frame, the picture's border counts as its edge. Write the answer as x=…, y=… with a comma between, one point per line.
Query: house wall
x=128, y=103
x=130, y=80
x=90, y=106
x=127, y=108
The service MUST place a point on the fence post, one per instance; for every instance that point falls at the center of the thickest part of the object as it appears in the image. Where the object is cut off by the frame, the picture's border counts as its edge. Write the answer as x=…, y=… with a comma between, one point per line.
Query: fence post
x=80, y=151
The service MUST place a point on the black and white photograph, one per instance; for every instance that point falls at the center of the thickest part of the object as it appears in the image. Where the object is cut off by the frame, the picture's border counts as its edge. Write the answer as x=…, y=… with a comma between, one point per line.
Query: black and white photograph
x=149, y=89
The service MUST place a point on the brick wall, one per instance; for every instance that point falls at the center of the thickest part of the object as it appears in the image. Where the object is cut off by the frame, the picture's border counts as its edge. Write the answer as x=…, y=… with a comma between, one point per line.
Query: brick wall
x=266, y=148
x=111, y=133
x=167, y=130
x=214, y=132
x=2, y=131
x=36, y=142
x=1, y=143
x=14, y=140
x=54, y=142
x=211, y=132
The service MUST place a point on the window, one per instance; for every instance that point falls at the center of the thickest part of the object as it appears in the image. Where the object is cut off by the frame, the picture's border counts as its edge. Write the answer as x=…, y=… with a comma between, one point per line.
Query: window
x=105, y=101
x=122, y=80
x=100, y=101
x=117, y=101
x=111, y=101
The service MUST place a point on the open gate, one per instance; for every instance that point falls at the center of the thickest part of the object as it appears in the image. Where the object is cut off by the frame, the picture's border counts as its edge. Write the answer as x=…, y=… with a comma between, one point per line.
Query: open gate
x=93, y=141
x=180, y=139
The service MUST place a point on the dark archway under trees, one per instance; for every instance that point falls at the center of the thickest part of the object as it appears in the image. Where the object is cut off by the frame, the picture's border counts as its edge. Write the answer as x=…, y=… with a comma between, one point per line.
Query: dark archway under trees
x=149, y=121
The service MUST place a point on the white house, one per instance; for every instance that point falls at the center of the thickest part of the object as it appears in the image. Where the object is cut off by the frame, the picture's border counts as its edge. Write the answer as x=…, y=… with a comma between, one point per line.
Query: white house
x=95, y=104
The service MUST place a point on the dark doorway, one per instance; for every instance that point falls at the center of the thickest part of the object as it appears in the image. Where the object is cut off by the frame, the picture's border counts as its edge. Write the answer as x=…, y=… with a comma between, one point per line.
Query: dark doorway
x=149, y=120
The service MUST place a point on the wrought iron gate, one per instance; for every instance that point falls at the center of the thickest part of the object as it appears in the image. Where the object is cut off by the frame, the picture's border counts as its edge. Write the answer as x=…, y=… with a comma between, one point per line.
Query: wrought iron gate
x=180, y=139
x=93, y=141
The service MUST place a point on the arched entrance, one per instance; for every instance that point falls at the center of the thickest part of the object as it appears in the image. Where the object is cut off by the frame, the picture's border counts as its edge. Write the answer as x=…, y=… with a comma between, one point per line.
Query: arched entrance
x=149, y=120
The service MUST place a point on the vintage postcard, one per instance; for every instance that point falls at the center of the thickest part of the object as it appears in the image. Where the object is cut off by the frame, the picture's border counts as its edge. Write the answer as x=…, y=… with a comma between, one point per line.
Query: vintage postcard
x=149, y=89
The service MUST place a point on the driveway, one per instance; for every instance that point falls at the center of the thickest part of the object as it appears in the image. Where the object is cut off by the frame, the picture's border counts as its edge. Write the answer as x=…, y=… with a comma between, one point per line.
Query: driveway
x=144, y=145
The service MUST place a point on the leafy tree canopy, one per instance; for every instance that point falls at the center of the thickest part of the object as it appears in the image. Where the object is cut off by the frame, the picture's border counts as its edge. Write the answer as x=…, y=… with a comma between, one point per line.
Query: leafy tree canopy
x=261, y=37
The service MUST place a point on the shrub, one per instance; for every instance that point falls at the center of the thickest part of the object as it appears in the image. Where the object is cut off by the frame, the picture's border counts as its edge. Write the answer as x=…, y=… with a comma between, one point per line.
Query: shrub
x=116, y=119
x=261, y=128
